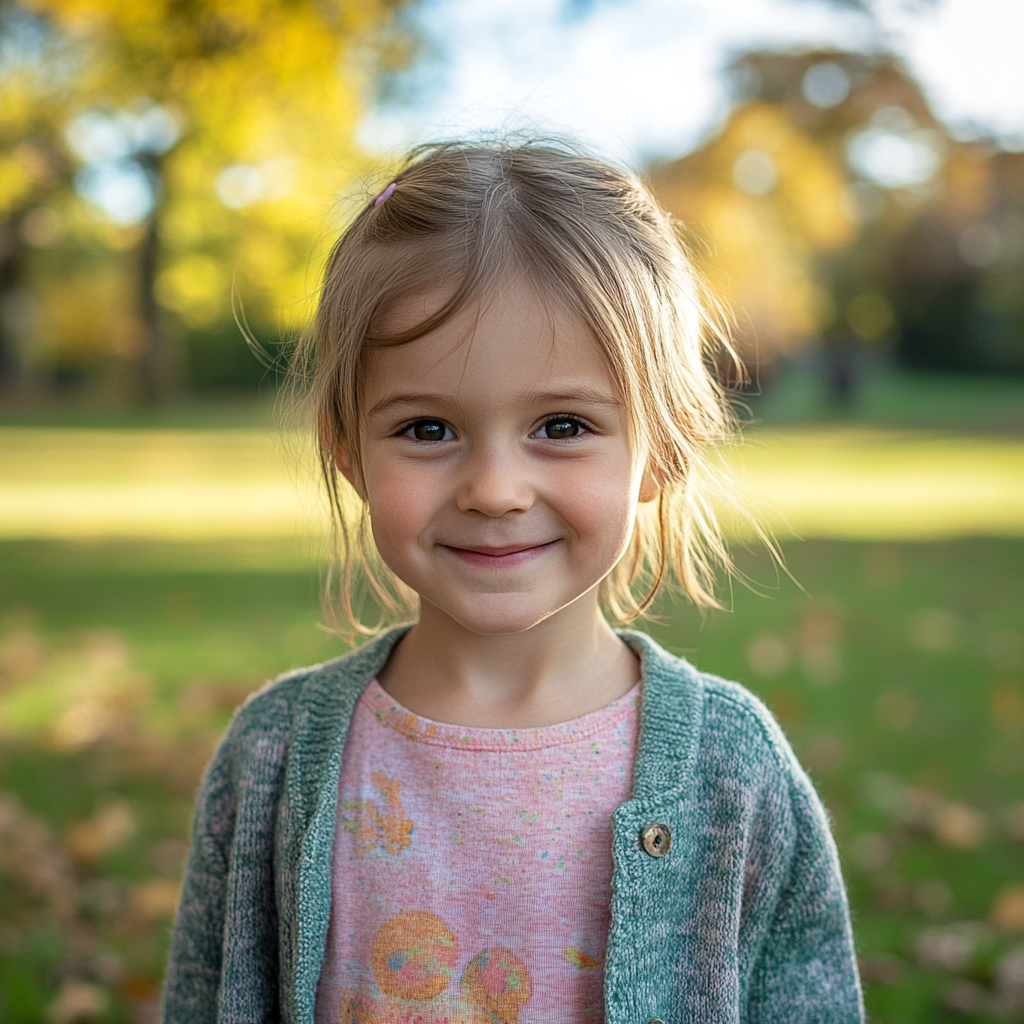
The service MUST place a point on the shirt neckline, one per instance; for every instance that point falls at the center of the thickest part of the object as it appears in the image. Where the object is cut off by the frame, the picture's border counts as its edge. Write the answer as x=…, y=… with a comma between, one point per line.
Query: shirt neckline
x=390, y=713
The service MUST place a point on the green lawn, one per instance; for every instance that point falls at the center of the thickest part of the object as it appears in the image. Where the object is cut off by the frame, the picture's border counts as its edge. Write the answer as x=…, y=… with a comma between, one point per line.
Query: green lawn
x=157, y=565
x=838, y=480
x=898, y=672
x=894, y=397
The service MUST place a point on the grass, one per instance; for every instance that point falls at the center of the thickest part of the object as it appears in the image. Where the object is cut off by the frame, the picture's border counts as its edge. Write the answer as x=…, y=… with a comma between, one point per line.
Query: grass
x=868, y=482
x=120, y=665
x=158, y=565
x=864, y=482
x=898, y=672
x=917, y=457
x=893, y=397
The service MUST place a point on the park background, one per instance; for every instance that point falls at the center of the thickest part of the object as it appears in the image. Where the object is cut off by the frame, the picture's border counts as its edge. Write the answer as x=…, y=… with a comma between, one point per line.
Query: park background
x=851, y=180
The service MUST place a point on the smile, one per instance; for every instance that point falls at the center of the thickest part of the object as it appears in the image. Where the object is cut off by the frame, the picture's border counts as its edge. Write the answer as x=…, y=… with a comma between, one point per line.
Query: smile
x=509, y=556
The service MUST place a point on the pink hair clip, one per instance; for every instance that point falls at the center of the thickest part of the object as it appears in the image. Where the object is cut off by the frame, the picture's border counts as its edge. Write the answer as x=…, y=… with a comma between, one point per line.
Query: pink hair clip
x=386, y=194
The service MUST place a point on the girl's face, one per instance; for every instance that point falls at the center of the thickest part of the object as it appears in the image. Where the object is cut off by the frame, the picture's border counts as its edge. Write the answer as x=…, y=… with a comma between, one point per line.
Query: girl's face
x=497, y=463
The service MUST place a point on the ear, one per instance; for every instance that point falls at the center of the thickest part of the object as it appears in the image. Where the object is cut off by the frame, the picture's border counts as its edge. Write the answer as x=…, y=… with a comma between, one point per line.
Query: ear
x=650, y=485
x=342, y=457
x=343, y=460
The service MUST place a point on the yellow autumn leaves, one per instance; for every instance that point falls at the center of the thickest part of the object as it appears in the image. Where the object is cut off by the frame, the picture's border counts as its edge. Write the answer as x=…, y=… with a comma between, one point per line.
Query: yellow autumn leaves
x=773, y=201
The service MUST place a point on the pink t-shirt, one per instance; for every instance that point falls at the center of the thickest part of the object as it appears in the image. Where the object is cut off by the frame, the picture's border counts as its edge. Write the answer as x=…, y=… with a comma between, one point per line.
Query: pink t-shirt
x=472, y=868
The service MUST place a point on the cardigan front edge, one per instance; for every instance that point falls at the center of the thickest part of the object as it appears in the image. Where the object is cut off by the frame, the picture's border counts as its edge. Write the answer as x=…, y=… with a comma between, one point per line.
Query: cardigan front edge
x=752, y=878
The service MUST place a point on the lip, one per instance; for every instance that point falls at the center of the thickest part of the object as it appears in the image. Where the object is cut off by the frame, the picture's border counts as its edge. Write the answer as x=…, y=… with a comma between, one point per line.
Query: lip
x=507, y=556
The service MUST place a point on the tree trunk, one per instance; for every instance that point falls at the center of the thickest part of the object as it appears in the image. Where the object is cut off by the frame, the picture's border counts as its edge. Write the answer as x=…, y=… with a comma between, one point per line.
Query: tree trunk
x=15, y=308
x=160, y=363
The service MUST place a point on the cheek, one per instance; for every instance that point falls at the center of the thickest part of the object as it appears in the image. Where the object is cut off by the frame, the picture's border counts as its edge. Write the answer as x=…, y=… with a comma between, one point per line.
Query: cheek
x=398, y=509
x=601, y=506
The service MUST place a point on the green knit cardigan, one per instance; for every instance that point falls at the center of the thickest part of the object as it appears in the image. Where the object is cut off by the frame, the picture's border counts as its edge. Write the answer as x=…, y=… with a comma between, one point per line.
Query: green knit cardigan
x=744, y=919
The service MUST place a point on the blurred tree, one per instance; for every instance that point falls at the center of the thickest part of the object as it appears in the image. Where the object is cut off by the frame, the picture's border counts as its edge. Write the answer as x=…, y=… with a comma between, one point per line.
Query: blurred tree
x=956, y=275
x=34, y=169
x=215, y=135
x=765, y=199
x=871, y=119
x=836, y=208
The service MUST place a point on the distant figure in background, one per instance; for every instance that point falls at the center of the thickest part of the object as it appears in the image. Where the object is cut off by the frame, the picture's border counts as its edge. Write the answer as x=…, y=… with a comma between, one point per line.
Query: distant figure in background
x=508, y=810
x=840, y=366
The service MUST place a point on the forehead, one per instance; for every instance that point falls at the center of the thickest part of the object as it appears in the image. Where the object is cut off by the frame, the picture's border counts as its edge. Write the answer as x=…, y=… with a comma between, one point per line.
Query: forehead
x=514, y=340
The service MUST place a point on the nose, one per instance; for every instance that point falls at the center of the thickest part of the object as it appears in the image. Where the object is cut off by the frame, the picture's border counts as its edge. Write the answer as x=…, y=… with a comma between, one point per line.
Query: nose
x=495, y=481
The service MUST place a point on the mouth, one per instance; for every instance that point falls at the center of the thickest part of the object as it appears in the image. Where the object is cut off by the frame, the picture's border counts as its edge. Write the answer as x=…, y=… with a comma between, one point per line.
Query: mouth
x=507, y=556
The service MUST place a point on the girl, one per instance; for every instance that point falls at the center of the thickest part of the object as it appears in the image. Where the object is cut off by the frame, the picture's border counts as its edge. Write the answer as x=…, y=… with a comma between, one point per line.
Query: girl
x=508, y=811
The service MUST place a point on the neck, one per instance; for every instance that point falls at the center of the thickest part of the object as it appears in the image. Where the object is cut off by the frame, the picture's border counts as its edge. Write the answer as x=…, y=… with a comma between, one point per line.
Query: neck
x=570, y=664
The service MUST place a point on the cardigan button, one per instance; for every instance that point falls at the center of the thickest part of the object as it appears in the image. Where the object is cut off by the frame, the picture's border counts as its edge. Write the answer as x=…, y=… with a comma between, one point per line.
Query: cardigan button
x=656, y=839
x=657, y=1020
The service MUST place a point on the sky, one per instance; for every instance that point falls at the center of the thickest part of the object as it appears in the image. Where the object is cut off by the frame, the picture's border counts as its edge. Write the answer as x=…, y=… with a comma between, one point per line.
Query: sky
x=640, y=79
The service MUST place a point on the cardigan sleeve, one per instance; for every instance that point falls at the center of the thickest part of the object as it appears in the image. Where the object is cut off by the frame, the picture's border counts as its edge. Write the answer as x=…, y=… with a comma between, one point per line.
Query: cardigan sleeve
x=192, y=984
x=224, y=961
x=806, y=971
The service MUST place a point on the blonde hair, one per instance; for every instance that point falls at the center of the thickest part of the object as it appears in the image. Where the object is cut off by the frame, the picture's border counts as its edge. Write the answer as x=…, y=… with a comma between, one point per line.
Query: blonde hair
x=470, y=215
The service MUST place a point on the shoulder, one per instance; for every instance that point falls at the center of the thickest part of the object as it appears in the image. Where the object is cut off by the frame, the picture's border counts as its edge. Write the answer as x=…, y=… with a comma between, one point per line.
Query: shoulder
x=741, y=742
x=741, y=722
x=726, y=725
x=264, y=726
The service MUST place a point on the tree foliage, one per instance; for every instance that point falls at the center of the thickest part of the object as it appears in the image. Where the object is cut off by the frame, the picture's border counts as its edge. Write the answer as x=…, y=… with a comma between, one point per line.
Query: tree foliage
x=833, y=208
x=232, y=124
x=766, y=200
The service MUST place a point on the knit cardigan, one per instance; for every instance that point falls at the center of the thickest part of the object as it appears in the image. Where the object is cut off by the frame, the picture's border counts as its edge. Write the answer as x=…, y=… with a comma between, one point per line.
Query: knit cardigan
x=744, y=919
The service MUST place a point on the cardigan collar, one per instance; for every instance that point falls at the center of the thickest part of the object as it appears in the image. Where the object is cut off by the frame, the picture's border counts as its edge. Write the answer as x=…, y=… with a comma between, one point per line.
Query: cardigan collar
x=670, y=720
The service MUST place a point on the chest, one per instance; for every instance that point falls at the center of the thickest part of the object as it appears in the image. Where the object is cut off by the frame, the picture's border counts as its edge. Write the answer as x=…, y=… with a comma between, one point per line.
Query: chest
x=471, y=871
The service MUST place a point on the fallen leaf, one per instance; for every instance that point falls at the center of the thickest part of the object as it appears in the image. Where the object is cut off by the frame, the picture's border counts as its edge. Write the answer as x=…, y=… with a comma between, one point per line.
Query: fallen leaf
x=1007, y=913
x=958, y=825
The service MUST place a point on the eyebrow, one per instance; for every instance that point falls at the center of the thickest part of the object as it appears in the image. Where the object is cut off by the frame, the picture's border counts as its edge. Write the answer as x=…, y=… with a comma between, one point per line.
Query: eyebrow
x=569, y=396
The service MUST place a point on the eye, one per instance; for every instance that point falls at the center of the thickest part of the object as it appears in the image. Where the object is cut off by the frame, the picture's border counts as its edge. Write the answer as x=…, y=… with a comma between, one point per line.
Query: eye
x=428, y=430
x=561, y=428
